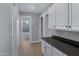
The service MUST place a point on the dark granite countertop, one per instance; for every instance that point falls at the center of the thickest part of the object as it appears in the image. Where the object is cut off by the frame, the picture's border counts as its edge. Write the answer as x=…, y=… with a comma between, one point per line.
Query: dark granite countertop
x=67, y=46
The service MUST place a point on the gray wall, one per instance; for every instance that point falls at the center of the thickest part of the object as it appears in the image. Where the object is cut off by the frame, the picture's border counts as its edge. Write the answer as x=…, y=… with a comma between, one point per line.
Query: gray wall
x=35, y=24
x=5, y=29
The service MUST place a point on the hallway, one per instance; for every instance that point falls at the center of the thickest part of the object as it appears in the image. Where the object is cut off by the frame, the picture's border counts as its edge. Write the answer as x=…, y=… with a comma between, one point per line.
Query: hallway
x=25, y=49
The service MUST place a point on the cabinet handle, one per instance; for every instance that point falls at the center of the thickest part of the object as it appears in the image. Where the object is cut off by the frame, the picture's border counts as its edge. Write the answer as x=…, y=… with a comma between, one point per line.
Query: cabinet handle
x=66, y=26
x=69, y=26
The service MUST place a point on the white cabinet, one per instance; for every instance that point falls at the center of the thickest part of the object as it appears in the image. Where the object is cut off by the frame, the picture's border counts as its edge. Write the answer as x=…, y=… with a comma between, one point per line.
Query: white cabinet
x=51, y=14
x=64, y=16
x=43, y=47
x=58, y=16
x=61, y=16
x=46, y=48
x=74, y=16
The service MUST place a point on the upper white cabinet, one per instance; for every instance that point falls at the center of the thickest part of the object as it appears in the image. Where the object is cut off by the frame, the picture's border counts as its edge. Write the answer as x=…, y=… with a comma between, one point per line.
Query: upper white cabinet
x=74, y=16
x=51, y=14
x=64, y=16
x=67, y=16
x=61, y=16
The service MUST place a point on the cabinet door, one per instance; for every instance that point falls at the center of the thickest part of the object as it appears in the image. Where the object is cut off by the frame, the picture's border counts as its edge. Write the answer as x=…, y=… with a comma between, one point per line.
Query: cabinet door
x=43, y=47
x=75, y=16
x=51, y=13
x=48, y=50
x=61, y=16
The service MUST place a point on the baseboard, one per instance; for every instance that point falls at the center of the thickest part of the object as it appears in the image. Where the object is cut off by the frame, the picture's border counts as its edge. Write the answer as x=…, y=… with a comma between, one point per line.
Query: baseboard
x=36, y=42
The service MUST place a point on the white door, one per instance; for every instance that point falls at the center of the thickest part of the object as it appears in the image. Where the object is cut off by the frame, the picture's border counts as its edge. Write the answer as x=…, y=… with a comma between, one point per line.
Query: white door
x=61, y=16
x=5, y=29
x=51, y=16
x=75, y=17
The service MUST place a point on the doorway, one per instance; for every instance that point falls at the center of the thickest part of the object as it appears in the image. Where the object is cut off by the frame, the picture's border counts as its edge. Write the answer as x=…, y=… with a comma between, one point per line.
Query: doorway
x=26, y=27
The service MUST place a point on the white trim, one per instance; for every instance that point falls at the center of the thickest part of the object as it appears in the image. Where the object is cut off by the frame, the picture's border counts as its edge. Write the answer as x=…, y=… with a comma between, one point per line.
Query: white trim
x=14, y=6
x=31, y=29
x=12, y=28
x=40, y=28
x=35, y=42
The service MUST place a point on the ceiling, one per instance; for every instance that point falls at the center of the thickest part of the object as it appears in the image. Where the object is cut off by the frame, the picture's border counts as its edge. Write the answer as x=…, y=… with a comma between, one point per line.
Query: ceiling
x=33, y=7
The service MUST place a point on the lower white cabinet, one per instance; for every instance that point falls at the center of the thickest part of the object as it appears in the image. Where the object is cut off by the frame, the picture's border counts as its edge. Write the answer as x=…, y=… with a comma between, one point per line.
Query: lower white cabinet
x=43, y=47
x=48, y=50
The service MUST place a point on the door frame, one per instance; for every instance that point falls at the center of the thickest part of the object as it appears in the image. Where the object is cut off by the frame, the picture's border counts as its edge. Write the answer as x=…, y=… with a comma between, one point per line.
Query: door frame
x=41, y=34
x=16, y=31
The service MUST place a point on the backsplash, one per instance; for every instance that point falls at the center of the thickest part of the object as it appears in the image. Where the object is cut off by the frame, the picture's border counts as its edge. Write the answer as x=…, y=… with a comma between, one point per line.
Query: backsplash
x=69, y=35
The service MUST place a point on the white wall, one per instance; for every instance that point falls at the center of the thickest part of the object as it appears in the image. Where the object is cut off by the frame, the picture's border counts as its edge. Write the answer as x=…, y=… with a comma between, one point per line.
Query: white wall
x=35, y=25
x=5, y=29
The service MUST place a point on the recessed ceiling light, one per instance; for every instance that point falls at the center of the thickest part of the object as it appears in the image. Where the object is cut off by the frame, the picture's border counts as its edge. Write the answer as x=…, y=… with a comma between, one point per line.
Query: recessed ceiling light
x=32, y=7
